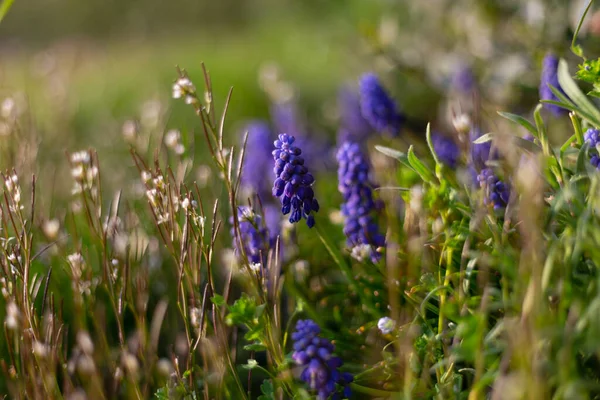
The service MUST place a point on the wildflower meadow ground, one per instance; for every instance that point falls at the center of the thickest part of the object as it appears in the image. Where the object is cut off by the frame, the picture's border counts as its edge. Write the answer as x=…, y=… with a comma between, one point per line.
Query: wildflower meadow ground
x=393, y=249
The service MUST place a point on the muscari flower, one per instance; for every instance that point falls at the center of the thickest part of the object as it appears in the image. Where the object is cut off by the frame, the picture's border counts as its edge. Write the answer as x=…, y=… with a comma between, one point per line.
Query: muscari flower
x=321, y=366
x=286, y=118
x=378, y=107
x=446, y=149
x=463, y=80
x=353, y=126
x=257, y=162
x=360, y=227
x=293, y=182
x=496, y=192
x=254, y=236
x=592, y=139
x=550, y=77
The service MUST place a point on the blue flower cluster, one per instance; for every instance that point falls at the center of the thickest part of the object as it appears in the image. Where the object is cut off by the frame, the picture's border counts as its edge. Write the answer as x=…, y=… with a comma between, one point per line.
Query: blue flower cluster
x=321, y=366
x=353, y=126
x=446, y=149
x=255, y=236
x=550, y=77
x=257, y=163
x=293, y=181
x=353, y=176
x=592, y=138
x=496, y=192
x=463, y=80
x=378, y=107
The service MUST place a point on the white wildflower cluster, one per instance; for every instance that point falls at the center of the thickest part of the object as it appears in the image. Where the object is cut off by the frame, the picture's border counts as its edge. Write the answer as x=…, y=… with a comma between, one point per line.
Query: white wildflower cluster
x=173, y=141
x=13, y=316
x=13, y=189
x=386, y=325
x=82, y=360
x=362, y=252
x=77, y=264
x=6, y=287
x=84, y=172
x=195, y=316
x=157, y=193
x=184, y=88
x=51, y=228
x=129, y=131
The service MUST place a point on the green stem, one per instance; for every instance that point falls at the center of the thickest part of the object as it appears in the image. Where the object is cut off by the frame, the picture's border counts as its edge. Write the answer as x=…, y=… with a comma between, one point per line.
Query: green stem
x=371, y=391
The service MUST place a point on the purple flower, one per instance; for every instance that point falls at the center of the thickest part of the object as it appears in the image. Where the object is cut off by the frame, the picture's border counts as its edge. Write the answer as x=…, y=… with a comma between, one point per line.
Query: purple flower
x=378, y=107
x=316, y=355
x=480, y=152
x=254, y=236
x=360, y=227
x=353, y=126
x=446, y=149
x=550, y=77
x=496, y=192
x=592, y=139
x=286, y=119
x=463, y=80
x=257, y=163
x=293, y=182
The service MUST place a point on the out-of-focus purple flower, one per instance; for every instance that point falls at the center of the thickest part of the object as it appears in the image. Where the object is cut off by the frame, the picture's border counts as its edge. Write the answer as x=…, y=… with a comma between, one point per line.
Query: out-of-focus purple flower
x=316, y=354
x=480, y=152
x=496, y=192
x=360, y=227
x=446, y=149
x=463, y=80
x=377, y=107
x=254, y=236
x=257, y=161
x=293, y=182
x=316, y=149
x=550, y=77
x=353, y=126
x=592, y=139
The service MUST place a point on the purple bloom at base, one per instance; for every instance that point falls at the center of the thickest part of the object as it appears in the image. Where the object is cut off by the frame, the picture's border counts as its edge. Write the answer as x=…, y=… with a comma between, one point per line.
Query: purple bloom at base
x=293, y=183
x=496, y=192
x=377, y=107
x=463, y=80
x=360, y=227
x=253, y=234
x=592, y=139
x=257, y=162
x=353, y=126
x=549, y=76
x=446, y=149
x=480, y=152
x=321, y=365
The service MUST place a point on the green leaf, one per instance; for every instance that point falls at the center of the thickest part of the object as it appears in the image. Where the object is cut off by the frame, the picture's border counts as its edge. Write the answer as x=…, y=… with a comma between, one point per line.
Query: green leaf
x=162, y=394
x=576, y=49
x=218, y=300
x=519, y=120
x=256, y=346
x=4, y=7
x=398, y=155
x=419, y=167
x=243, y=311
x=517, y=141
x=572, y=90
x=267, y=389
x=430, y=144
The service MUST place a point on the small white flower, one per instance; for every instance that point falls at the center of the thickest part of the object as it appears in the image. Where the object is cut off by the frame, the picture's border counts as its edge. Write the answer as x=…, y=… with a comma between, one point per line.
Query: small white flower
x=362, y=252
x=146, y=176
x=51, y=228
x=386, y=325
x=185, y=203
x=255, y=267
x=13, y=315
x=184, y=87
x=462, y=123
x=172, y=138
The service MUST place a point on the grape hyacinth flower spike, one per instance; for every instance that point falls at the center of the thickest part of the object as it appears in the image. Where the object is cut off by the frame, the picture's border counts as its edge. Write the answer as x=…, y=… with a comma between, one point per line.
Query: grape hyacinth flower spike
x=257, y=162
x=321, y=366
x=549, y=78
x=353, y=182
x=293, y=183
x=446, y=149
x=377, y=107
x=254, y=236
x=496, y=192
